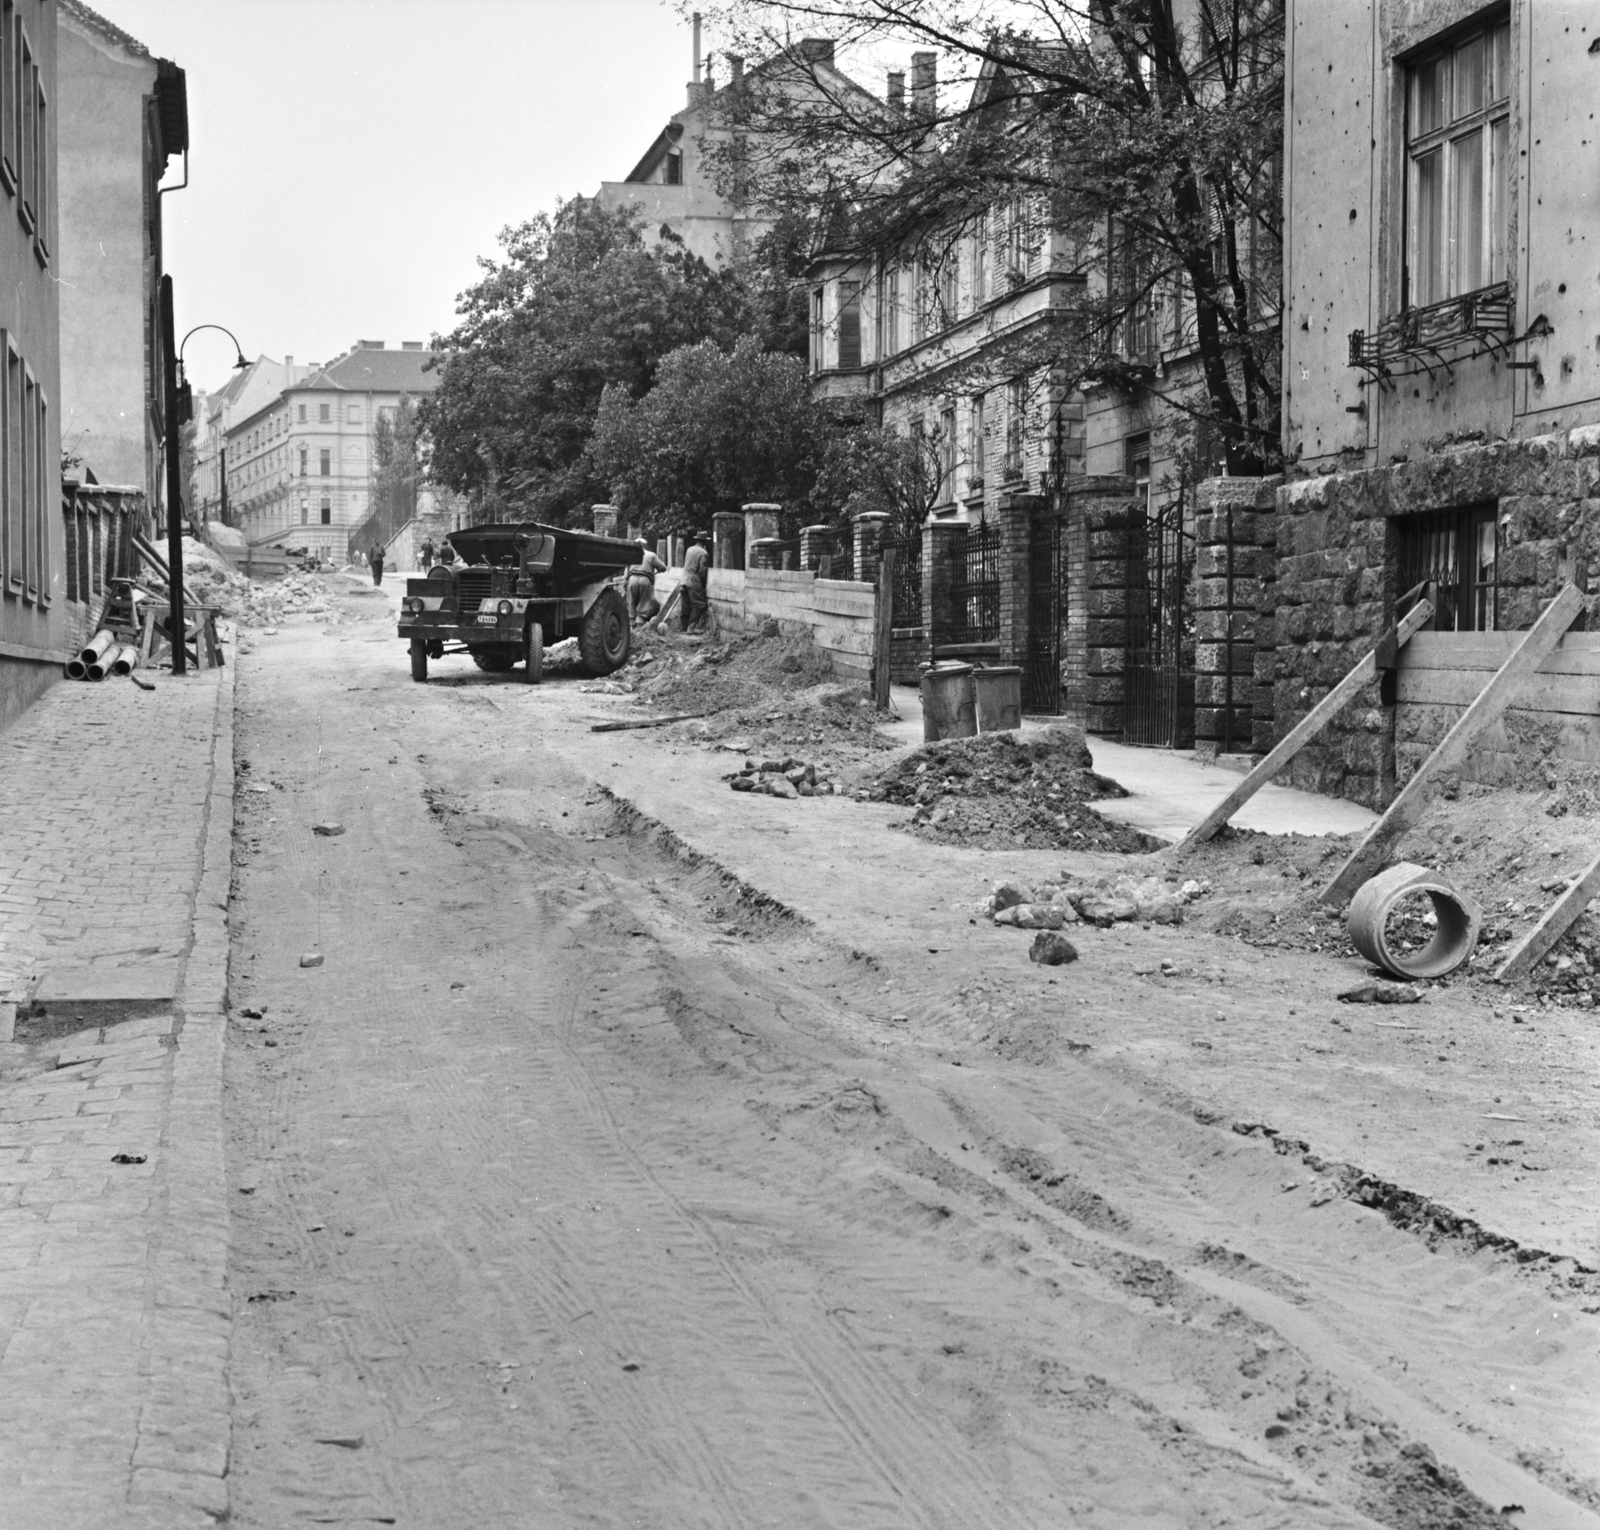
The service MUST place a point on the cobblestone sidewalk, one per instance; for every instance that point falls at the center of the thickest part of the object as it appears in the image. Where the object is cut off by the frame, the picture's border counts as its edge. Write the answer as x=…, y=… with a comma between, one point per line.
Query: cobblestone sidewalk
x=116, y=812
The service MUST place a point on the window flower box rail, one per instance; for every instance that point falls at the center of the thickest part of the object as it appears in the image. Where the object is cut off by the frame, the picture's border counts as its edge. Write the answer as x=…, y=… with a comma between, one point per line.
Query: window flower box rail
x=1483, y=318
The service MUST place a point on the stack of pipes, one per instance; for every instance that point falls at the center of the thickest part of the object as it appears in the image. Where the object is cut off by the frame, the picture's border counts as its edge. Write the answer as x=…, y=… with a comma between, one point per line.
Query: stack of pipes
x=103, y=656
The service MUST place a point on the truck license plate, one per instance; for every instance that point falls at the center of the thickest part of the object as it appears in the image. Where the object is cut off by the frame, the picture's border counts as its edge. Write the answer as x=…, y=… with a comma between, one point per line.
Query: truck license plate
x=487, y=619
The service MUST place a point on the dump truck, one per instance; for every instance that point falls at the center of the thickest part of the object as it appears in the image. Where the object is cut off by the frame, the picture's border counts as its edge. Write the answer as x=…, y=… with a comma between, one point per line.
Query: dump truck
x=516, y=587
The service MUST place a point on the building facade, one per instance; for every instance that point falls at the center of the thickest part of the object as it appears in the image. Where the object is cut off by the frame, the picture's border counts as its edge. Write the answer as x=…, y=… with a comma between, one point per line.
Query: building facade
x=245, y=394
x=123, y=117
x=33, y=616
x=1441, y=373
x=299, y=465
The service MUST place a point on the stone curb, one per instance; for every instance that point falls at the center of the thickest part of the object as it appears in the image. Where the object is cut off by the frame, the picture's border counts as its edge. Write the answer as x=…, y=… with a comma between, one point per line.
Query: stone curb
x=178, y=1472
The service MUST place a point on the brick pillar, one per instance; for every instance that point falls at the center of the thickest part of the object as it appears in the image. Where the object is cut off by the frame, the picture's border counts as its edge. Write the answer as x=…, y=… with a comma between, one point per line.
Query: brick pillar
x=1263, y=718
x=1233, y=562
x=1015, y=513
x=764, y=552
x=604, y=519
x=870, y=527
x=814, y=542
x=1100, y=513
x=727, y=538
x=760, y=523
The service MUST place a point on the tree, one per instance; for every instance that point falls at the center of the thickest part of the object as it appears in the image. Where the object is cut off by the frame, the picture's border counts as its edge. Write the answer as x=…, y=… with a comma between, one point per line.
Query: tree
x=1149, y=131
x=865, y=469
x=396, y=466
x=719, y=429
x=577, y=303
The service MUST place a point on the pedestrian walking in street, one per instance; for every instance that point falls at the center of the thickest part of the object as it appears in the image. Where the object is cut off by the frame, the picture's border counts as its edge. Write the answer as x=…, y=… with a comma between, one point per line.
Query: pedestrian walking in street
x=425, y=556
x=375, y=558
x=642, y=602
x=695, y=562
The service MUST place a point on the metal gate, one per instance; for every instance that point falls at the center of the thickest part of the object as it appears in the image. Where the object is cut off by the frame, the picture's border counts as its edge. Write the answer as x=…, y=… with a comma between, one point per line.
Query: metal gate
x=1158, y=694
x=974, y=585
x=1041, y=672
x=906, y=591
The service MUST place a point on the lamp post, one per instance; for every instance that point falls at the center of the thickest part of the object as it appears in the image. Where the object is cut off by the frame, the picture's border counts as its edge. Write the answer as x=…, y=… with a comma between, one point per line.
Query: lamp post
x=178, y=408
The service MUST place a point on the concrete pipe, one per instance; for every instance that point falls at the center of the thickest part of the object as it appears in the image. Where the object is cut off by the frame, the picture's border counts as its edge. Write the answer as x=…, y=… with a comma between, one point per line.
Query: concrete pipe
x=123, y=660
x=1457, y=921
x=77, y=669
x=98, y=644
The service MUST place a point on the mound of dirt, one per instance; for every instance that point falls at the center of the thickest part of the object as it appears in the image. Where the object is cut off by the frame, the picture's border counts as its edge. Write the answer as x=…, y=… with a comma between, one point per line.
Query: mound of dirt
x=777, y=687
x=1007, y=791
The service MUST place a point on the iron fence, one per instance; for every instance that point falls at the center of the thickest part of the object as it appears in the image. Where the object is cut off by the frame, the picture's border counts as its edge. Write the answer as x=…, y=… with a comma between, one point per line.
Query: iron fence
x=906, y=587
x=975, y=584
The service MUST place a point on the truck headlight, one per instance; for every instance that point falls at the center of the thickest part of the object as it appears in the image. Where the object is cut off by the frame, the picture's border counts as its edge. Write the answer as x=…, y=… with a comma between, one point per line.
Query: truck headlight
x=504, y=608
x=414, y=604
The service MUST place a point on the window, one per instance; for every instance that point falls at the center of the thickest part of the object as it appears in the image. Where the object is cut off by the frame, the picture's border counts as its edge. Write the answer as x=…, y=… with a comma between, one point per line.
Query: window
x=324, y=463
x=41, y=169
x=1136, y=465
x=816, y=329
x=27, y=124
x=10, y=157
x=327, y=511
x=889, y=316
x=673, y=170
x=1454, y=550
x=1017, y=238
x=948, y=290
x=303, y=462
x=947, y=453
x=11, y=512
x=324, y=414
x=29, y=440
x=46, y=490
x=302, y=414
x=305, y=513
x=1016, y=417
x=980, y=262
x=352, y=414
x=849, y=324
x=1458, y=148
x=976, y=423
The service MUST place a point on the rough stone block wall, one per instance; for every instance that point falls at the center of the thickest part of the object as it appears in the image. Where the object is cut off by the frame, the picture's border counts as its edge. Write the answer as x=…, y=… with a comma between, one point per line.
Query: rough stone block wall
x=1015, y=513
x=1337, y=551
x=1107, y=511
x=1229, y=592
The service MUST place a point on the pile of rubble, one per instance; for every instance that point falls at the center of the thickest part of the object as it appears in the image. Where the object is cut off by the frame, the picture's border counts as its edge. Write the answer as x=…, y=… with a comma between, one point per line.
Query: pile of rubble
x=1008, y=791
x=782, y=778
x=1101, y=901
x=209, y=580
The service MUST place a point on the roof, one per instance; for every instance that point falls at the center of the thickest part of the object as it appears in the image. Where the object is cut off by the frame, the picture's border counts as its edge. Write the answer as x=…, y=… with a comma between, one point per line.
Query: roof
x=96, y=25
x=366, y=369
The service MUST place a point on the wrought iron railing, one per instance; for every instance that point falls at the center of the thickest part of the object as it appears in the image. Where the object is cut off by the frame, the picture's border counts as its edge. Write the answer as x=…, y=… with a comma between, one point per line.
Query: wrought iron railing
x=975, y=584
x=906, y=585
x=1483, y=317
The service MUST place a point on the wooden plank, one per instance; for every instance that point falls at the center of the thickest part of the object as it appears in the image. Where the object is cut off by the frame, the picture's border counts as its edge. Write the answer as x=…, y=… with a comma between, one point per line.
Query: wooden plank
x=1578, y=653
x=1577, y=695
x=1304, y=731
x=1491, y=704
x=672, y=600
x=1535, y=945
x=882, y=628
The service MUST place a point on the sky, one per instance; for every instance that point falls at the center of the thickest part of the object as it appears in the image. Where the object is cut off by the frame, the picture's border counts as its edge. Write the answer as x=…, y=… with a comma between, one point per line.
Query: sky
x=351, y=159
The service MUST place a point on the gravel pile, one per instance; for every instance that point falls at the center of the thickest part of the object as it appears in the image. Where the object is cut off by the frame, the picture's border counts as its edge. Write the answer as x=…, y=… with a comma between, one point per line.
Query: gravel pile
x=1101, y=901
x=782, y=778
x=1007, y=791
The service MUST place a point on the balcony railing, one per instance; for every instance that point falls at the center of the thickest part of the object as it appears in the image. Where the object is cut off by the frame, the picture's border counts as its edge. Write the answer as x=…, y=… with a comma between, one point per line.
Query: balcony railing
x=1482, y=319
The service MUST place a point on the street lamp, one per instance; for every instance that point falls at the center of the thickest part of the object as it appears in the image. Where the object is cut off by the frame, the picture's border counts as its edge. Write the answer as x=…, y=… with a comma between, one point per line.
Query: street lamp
x=178, y=407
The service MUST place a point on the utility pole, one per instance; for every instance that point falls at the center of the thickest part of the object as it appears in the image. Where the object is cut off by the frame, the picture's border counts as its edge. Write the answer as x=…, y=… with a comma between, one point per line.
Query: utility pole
x=174, y=429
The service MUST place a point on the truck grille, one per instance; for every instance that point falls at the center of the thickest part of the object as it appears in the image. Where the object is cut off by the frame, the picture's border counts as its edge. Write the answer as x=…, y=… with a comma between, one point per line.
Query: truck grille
x=472, y=589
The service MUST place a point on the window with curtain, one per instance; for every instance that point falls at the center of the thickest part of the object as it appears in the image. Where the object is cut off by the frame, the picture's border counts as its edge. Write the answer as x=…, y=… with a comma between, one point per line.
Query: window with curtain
x=1458, y=151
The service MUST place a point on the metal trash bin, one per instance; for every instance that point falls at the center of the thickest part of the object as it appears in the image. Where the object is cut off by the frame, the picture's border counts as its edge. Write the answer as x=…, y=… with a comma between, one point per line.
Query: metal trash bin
x=948, y=708
x=998, y=693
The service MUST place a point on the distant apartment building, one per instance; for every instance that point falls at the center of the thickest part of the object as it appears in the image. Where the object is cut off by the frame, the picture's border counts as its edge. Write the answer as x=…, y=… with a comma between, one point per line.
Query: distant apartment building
x=299, y=466
x=34, y=620
x=244, y=395
x=678, y=180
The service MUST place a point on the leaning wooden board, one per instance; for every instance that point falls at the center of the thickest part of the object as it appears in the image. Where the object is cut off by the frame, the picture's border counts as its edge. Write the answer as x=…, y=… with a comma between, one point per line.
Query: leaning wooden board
x=1491, y=704
x=1536, y=944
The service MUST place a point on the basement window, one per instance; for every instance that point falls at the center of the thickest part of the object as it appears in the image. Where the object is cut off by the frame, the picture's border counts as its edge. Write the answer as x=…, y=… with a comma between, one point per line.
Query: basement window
x=1454, y=551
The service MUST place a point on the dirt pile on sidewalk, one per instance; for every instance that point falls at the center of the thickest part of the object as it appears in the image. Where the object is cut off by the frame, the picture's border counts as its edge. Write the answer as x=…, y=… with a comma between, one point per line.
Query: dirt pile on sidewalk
x=767, y=688
x=1513, y=851
x=209, y=580
x=1007, y=791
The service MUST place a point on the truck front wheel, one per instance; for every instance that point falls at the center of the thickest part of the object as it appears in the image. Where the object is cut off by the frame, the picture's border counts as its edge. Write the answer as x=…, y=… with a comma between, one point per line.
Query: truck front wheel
x=533, y=654
x=605, y=637
x=419, y=659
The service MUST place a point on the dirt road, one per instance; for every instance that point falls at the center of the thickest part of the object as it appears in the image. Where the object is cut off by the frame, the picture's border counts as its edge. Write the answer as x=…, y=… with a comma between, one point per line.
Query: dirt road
x=580, y=1185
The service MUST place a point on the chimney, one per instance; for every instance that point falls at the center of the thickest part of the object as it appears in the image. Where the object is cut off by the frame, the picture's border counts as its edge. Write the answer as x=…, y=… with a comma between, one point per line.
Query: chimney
x=411, y=345
x=897, y=92
x=736, y=64
x=697, y=47
x=925, y=85
x=816, y=50
x=288, y=363
x=368, y=345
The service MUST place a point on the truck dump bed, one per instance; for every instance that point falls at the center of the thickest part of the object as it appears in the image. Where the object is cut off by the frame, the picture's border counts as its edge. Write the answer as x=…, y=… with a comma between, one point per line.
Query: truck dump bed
x=576, y=558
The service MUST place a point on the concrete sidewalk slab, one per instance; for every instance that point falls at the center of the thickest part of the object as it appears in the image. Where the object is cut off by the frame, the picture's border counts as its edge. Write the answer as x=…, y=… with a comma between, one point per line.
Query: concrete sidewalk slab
x=1169, y=790
x=114, y=1311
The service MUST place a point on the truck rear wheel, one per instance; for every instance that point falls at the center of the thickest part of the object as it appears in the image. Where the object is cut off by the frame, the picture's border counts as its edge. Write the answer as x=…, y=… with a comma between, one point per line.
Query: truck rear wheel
x=419, y=659
x=533, y=654
x=605, y=638
x=496, y=660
